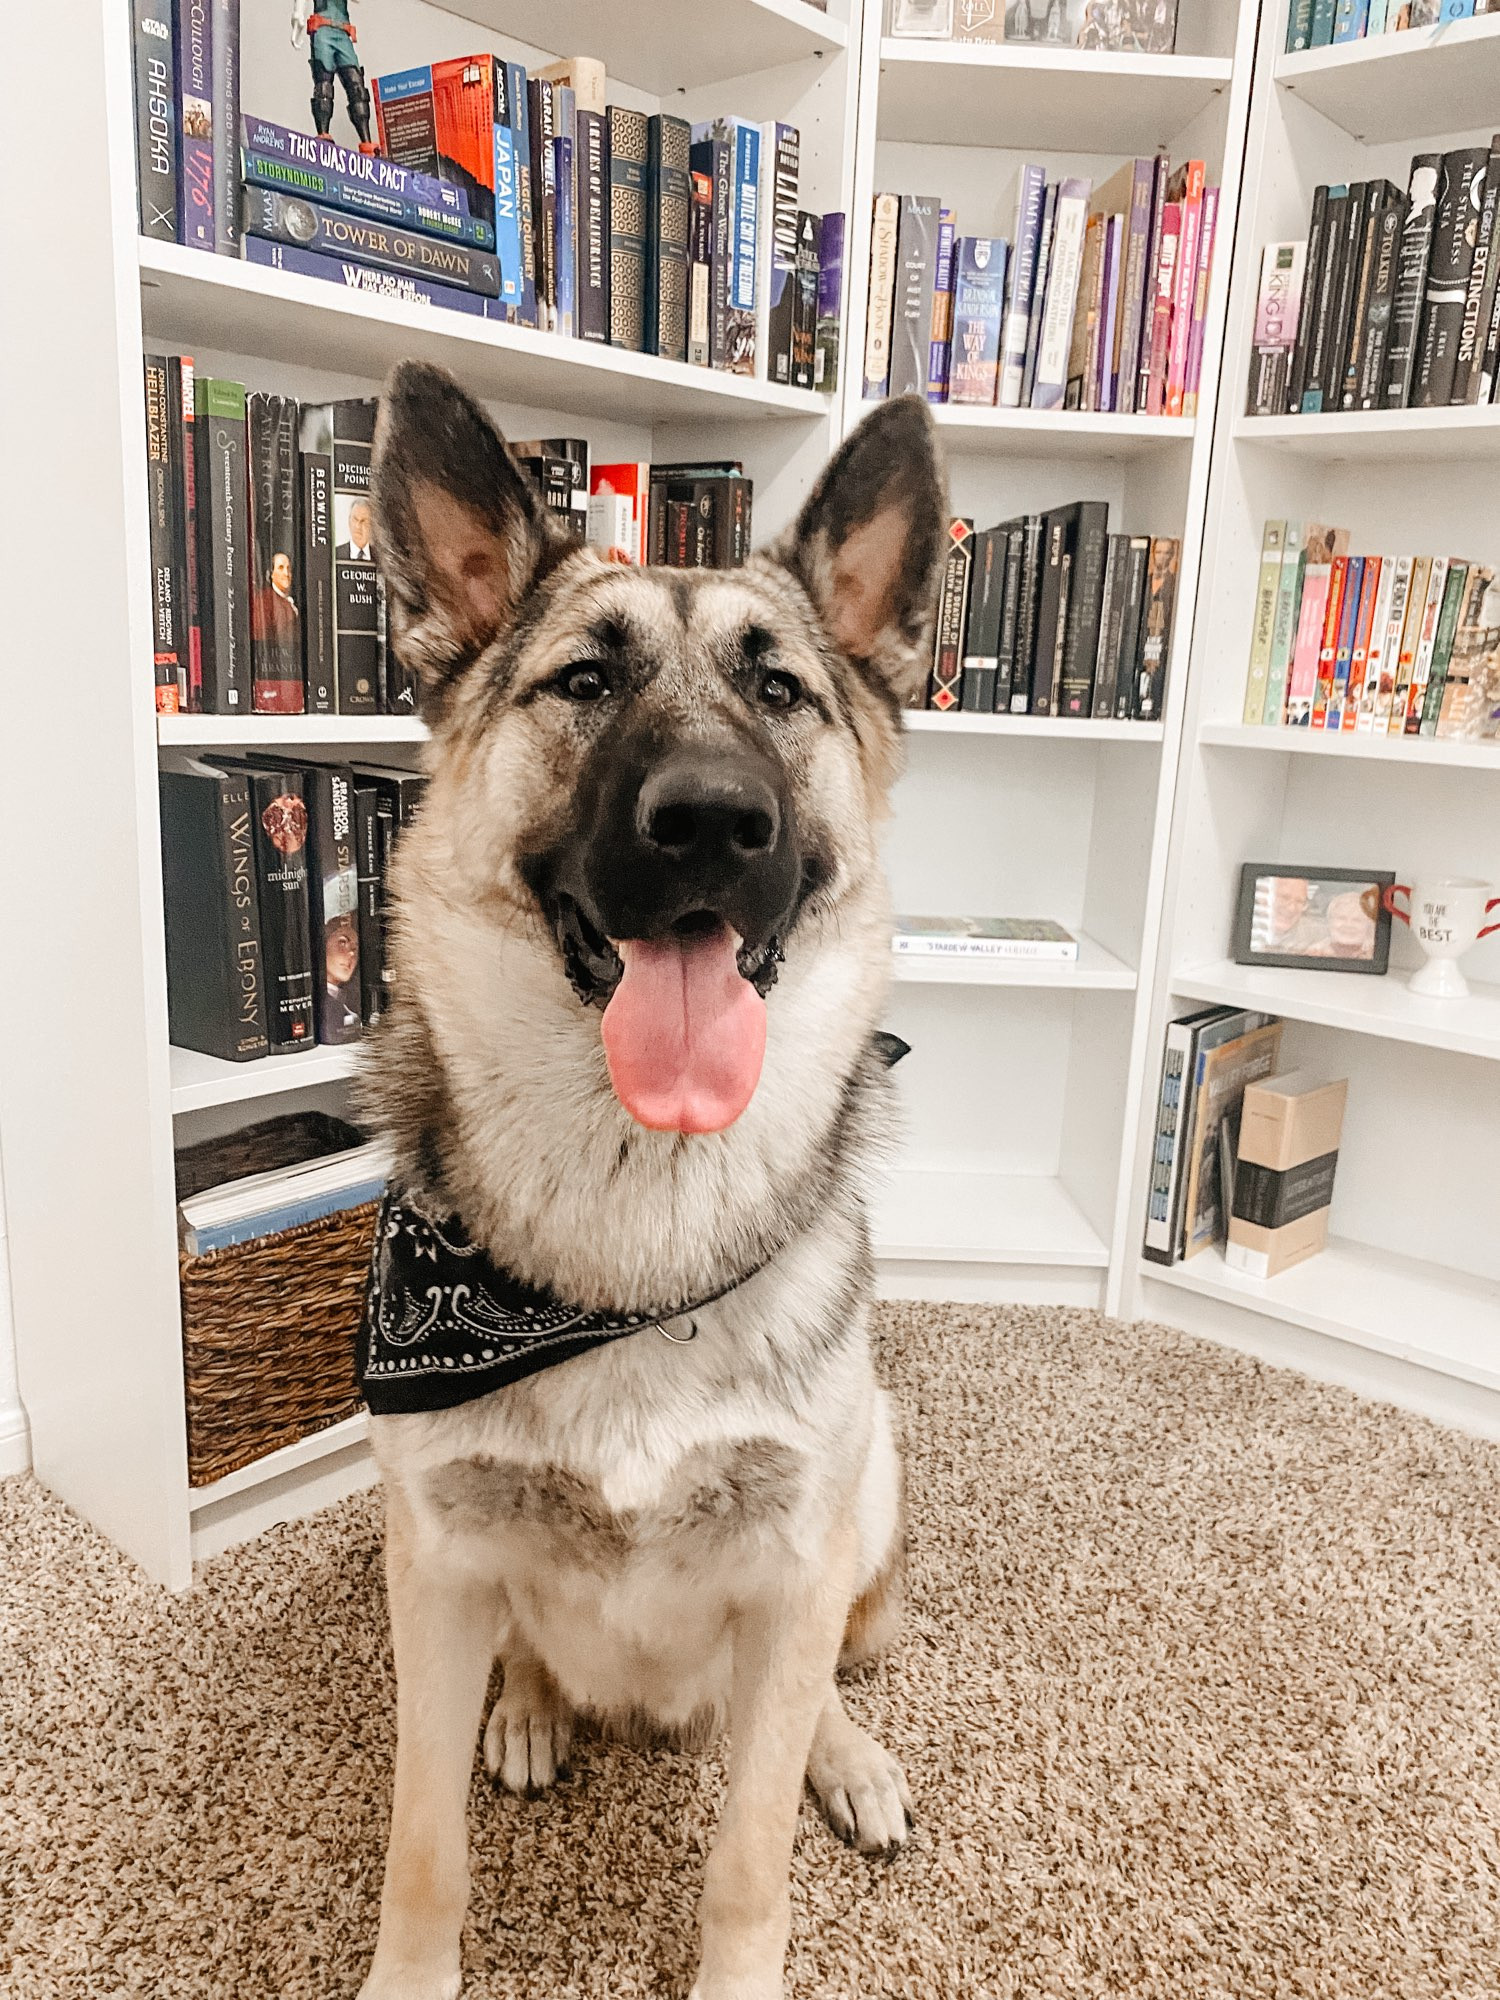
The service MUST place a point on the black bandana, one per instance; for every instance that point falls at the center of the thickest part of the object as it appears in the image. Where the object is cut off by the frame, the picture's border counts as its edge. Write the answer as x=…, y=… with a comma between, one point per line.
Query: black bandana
x=443, y=1324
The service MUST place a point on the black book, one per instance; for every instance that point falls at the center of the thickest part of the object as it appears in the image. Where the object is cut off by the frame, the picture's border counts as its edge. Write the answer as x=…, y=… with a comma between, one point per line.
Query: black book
x=372, y=992
x=1132, y=614
x=1312, y=278
x=1343, y=331
x=223, y=534
x=1379, y=195
x=1325, y=304
x=333, y=900
x=945, y=685
x=911, y=314
x=169, y=638
x=1269, y=375
x=345, y=433
x=805, y=300
x=779, y=270
x=279, y=811
x=1028, y=606
x=1089, y=548
x=1060, y=541
x=155, y=121
x=275, y=552
x=668, y=217
x=1411, y=279
x=712, y=154
x=317, y=582
x=1111, y=617
x=1382, y=302
x=1490, y=341
x=1156, y=629
x=1460, y=199
x=1482, y=279
x=1010, y=616
x=216, y=999
x=591, y=305
x=1039, y=298
x=385, y=839
x=982, y=633
x=627, y=227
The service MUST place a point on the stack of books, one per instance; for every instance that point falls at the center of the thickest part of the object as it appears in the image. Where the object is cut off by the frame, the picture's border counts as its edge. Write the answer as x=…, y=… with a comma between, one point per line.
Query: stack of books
x=1051, y=614
x=1134, y=27
x=524, y=198
x=274, y=876
x=1317, y=24
x=282, y=1198
x=1391, y=301
x=1098, y=301
x=1379, y=645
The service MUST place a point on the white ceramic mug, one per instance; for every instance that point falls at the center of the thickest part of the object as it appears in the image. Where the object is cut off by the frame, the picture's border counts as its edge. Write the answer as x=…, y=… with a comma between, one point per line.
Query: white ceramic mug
x=1446, y=916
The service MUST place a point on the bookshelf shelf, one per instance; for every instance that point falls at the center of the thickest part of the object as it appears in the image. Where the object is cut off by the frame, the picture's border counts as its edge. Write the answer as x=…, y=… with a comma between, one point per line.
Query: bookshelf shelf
x=190, y=299
x=1437, y=436
x=1038, y=97
x=275, y=1465
x=927, y=1215
x=928, y=722
x=1365, y=1006
x=1415, y=84
x=1094, y=969
x=199, y=1081
x=1429, y=1314
x=285, y=732
x=1413, y=750
x=1052, y=434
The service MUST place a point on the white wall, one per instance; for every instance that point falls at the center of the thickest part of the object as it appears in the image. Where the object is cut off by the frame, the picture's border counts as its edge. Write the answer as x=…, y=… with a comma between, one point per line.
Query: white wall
x=15, y=1442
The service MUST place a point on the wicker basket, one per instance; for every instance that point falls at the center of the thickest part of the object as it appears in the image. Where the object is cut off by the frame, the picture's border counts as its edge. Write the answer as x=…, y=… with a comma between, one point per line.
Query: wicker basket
x=268, y=1326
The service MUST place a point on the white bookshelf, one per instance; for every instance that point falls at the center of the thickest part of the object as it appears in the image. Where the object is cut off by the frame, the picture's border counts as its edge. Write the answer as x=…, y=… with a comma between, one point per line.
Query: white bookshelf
x=1405, y=1302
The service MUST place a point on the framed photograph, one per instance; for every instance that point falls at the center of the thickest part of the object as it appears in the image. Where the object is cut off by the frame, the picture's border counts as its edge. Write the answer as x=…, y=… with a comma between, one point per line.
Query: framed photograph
x=1319, y=919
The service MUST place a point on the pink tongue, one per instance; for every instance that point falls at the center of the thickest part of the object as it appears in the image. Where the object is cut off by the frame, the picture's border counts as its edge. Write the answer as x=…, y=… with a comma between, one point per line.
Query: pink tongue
x=684, y=1033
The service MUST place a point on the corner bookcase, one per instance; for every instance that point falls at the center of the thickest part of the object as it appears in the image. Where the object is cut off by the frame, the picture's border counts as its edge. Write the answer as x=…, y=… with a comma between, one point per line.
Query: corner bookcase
x=1405, y=1301
x=1030, y=1087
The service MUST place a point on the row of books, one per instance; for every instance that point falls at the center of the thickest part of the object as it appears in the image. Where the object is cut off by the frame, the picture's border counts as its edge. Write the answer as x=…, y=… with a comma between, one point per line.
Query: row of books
x=1051, y=614
x=524, y=198
x=1391, y=301
x=1137, y=27
x=1318, y=24
x=1382, y=645
x=274, y=889
x=1098, y=301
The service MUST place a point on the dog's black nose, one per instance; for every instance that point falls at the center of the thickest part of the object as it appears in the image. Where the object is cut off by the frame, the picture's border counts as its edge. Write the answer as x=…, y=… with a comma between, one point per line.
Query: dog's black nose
x=693, y=809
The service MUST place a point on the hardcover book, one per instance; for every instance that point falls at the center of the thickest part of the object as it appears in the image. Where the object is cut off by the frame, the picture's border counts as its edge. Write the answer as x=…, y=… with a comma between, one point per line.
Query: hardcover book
x=1058, y=530
x=1222, y=1076
x=628, y=226
x=543, y=126
x=1479, y=301
x=275, y=548
x=279, y=818
x=163, y=501
x=226, y=126
x=1031, y=198
x=370, y=279
x=700, y=271
x=978, y=290
x=1111, y=625
x=1089, y=547
x=1038, y=295
x=940, y=351
x=368, y=883
x=181, y=381
x=1377, y=333
x=193, y=53
x=1323, y=328
x=344, y=433
x=1455, y=228
x=216, y=1001
x=593, y=226
x=911, y=312
x=1132, y=623
x=333, y=901
x=318, y=659
x=223, y=536
x=1010, y=615
x=155, y=121
x=712, y=155
x=1402, y=347
x=309, y=226
x=1017, y=669
x=565, y=241
x=669, y=210
x=1312, y=281
x=1156, y=629
x=1069, y=221
x=830, y=302
x=945, y=690
x=364, y=183
x=805, y=300
x=1186, y=189
x=780, y=158
x=981, y=656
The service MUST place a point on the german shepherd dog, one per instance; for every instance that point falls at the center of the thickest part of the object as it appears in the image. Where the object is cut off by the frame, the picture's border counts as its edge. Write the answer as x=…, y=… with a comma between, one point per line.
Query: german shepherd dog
x=642, y=941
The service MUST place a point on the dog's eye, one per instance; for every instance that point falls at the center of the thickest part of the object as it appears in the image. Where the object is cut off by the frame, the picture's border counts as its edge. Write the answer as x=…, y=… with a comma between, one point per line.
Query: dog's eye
x=779, y=690
x=582, y=683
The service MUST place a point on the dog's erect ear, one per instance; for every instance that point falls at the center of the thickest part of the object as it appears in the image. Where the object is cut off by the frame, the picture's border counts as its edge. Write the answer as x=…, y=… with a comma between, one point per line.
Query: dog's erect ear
x=869, y=543
x=460, y=530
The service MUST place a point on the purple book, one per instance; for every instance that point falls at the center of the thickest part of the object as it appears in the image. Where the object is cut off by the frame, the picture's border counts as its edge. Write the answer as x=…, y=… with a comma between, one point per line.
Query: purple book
x=1134, y=278
x=193, y=51
x=942, y=312
x=367, y=278
x=830, y=302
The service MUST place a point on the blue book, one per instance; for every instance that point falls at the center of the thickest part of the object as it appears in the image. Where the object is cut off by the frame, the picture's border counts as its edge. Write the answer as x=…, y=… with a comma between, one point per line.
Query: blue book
x=743, y=247
x=1322, y=24
x=978, y=299
x=361, y=183
x=518, y=111
x=193, y=55
x=566, y=237
x=367, y=278
x=286, y=218
x=941, y=345
x=1457, y=10
x=1030, y=199
x=1351, y=19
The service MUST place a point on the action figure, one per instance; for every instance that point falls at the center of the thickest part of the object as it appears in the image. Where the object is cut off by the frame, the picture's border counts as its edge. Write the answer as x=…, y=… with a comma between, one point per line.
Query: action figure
x=330, y=48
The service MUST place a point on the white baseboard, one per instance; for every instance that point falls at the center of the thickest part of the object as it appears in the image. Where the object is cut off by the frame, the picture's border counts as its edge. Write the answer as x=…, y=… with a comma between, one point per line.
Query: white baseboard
x=15, y=1440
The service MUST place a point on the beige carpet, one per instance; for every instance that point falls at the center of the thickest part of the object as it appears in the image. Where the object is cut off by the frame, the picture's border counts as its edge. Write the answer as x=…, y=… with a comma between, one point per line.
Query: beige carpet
x=1200, y=1697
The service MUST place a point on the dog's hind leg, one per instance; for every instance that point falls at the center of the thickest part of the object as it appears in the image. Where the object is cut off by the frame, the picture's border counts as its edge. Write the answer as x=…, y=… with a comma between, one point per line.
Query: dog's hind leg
x=443, y=1627
x=530, y=1728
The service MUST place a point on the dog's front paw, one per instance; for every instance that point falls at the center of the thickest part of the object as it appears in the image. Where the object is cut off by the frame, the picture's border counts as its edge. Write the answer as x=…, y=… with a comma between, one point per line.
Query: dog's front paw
x=530, y=1731
x=860, y=1786
x=408, y=1983
x=738, y=1989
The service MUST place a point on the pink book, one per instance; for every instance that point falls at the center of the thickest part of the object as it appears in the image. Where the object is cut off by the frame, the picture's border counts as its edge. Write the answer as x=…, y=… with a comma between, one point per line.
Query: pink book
x=1187, y=188
x=1302, y=682
x=1161, y=309
x=1200, y=303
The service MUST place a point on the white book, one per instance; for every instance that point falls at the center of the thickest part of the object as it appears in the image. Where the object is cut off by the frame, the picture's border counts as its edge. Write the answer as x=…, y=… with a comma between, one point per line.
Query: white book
x=1376, y=655
x=983, y=937
x=1063, y=270
x=260, y=1204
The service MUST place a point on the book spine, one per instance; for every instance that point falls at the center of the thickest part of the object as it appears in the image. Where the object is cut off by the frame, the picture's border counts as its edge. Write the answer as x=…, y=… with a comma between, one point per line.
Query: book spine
x=741, y=358
x=940, y=350
x=1299, y=26
x=1460, y=198
x=1383, y=675
x=911, y=311
x=223, y=544
x=1312, y=281
x=226, y=126
x=1411, y=635
x=505, y=231
x=1302, y=677
x=1108, y=366
x=700, y=271
x=1083, y=347
x=421, y=198
x=155, y=121
x=781, y=168
x=1033, y=558
x=945, y=688
x=1359, y=660
x=168, y=643
x=978, y=292
x=1156, y=629
x=1490, y=371
x=1360, y=330
x=1442, y=652
x=1030, y=201
x=1426, y=639
x=830, y=302
x=372, y=280
x=1111, y=621
x=1075, y=693
x=1198, y=323
x=668, y=214
x=1325, y=302
x=1038, y=296
x=627, y=228
x=275, y=635
x=1344, y=331
x=1153, y=402
x=356, y=608
x=1133, y=284
x=1329, y=641
x=1343, y=661
x=193, y=51
x=510, y=80
x=541, y=121
x=1010, y=619
x=1273, y=542
x=1062, y=295
x=279, y=815
x=1132, y=623
x=1411, y=279
x=1048, y=951
x=1369, y=690
x=982, y=628
x=1321, y=35
x=1184, y=286
x=333, y=902
x=1169, y=1147
x=1482, y=278
x=1051, y=615
x=1150, y=281
x=1284, y=630
x=565, y=240
x=308, y=227
x=368, y=888
x=805, y=301
x=181, y=378
x=361, y=197
x=1372, y=364
x=593, y=227
x=247, y=955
